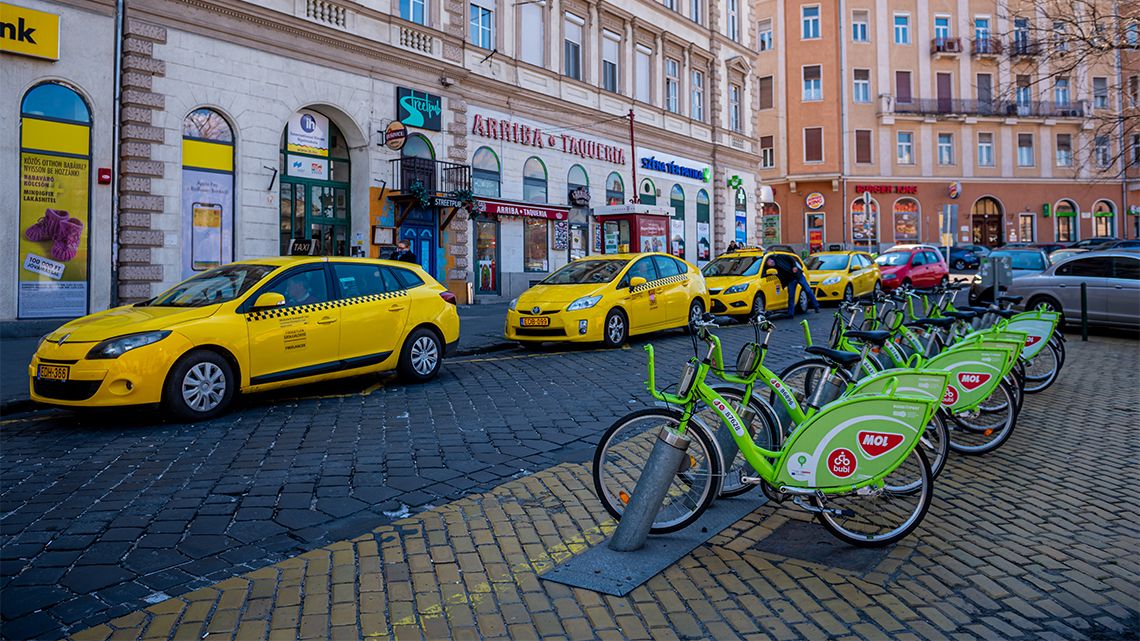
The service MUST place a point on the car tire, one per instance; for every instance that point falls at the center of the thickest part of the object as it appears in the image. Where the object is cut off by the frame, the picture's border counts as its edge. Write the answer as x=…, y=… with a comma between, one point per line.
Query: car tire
x=802, y=301
x=421, y=356
x=959, y=264
x=759, y=305
x=905, y=282
x=848, y=294
x=1049, y=303
x=616, y=330
x=696, y=312
x=200, y=386
x=877, y=289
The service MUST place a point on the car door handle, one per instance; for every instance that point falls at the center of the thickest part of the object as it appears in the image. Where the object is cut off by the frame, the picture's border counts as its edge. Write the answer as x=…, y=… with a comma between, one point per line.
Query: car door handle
x=396, y=308
x=326, y=320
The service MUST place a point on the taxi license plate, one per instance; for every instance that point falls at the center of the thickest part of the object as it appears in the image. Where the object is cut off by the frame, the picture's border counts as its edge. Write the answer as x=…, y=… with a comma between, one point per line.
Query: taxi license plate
x=535, y=321
x=52, y=372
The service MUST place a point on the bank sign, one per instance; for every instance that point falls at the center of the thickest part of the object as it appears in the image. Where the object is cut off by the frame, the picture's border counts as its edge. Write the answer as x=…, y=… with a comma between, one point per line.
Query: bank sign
x=418, y=108
x=29, y=32
x=670, y=167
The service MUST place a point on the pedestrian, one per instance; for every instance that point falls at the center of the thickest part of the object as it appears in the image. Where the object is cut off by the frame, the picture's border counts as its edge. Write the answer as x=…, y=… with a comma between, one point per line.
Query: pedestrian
x=791, y=276
x=731, y=247
x=404, y=253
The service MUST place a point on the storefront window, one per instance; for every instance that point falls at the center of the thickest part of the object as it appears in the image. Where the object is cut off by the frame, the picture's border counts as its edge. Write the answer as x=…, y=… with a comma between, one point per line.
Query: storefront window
x=207, y=191
x=704, y=233
x=315, y=184
x=647, y=194
x=1065, y=213
x=615, y=189
x=535, y=250
x=906, y=215
x=1103, y=219
x=577, y=187
x=485, y=179
x=534, y=181
x=616, y=234
x=865, y=224
x=677, y=224
x=1025, y=228
x=486, y=256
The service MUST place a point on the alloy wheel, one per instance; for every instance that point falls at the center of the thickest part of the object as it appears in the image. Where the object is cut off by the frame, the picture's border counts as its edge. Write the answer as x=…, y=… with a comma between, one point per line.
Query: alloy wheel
x=425, y=355
x=204, y=387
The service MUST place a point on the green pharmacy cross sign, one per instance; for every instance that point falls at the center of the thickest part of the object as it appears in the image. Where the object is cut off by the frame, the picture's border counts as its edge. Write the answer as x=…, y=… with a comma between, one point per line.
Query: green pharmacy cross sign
x=418, y=108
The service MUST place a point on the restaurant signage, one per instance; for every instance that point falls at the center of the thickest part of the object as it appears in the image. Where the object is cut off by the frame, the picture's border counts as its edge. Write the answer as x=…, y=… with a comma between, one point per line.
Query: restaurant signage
x=418, y=108
x=533, y=136
x=814, y=201
x=887, y=189
x=526, y=210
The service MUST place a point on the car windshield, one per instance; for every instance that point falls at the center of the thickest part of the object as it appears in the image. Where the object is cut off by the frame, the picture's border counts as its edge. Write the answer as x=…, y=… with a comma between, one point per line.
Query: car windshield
x=1022, y=260
x=213, y=287
x=733, y=266
x=1062, y=254
x=826, y=262
x=586, y=271
x=893, y=259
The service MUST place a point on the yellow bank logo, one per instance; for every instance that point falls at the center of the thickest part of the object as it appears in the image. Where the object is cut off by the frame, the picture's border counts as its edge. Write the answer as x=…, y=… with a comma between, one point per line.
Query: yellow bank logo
x=29, y=32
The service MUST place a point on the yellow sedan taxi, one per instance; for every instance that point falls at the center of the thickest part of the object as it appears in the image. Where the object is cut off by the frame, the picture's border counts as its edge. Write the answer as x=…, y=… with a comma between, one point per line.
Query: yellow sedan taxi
x=250, y=326
x=842, y=275
x=608, y=299
x=738, y=288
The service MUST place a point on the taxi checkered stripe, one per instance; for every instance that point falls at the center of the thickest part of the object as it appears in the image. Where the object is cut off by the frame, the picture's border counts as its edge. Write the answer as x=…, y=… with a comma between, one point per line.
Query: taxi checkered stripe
x=669, y=280
x=285, y=312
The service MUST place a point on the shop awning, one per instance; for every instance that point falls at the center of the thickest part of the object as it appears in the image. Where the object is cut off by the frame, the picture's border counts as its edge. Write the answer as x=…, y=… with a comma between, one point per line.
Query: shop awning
x=530, y=210
x=636, y=208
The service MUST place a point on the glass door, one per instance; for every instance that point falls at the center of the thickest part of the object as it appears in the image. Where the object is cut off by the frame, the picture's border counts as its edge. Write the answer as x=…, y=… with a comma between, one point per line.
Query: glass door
x=486, y=257
x=318, y=211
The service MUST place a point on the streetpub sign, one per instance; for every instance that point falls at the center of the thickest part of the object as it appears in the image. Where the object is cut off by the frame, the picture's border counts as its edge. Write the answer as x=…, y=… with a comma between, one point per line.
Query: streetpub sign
x=520, y=134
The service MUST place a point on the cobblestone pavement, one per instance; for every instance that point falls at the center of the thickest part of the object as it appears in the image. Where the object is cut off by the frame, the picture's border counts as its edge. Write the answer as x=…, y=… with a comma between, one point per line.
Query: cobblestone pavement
x=100, y=512
x=1035, y=541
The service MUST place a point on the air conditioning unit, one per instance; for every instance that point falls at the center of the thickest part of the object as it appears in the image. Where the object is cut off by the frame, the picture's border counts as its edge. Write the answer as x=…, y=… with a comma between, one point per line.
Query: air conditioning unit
x=953, y=45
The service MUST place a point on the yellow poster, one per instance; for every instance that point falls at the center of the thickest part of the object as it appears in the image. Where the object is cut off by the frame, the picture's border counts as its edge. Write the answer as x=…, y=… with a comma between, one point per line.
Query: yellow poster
x=54, y=202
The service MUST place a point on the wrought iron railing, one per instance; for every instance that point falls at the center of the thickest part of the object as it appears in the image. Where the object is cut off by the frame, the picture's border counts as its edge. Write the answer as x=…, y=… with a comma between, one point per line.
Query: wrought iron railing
x=986, y=47
x=975, y=107
x=436, y=176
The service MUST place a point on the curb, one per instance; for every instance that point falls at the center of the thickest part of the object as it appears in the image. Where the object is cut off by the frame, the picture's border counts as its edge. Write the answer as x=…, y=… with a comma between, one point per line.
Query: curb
x=474, y=351
x=19, y=406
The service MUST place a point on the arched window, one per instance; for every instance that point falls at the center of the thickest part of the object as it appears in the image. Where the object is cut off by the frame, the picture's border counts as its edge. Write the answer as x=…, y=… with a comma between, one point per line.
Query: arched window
x=1104, y=218
x=615, y=189
x=55, y=202
x=987, y=222
x=704, y=232
x=576, y=179
x=314, y=183
x=207, y=191
x=907, y=216
x=485, y=180
x=534, y=181
x=677, y=225
x=417, y=146
x=865, y=224
x=1065, y=213
x=647, y=193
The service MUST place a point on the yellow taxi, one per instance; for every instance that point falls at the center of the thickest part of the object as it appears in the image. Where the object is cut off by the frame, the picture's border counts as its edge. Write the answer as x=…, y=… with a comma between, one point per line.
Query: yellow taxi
x=738, y=287
x=843, y=275
x=607, y=299
x=250, y=326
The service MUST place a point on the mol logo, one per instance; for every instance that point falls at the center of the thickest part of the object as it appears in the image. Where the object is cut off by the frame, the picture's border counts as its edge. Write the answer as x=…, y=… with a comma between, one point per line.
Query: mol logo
x=950, y=397
x=876, y=444
x=841, y=462
x=1030, y=341
x=972, y=381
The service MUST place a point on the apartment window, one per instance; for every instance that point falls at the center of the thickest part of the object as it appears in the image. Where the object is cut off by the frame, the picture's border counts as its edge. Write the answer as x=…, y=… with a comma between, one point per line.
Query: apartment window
x=1100, y=93
x=482, y=26
x=1024, y=91
x=945, y=149
x=862, y=89
x=813, y=144
x=413, y=10
x=985, y=91
x=1061, y=92
x=1134, y=89
x=611, y=60
x=902, y=29
x=533, y=33
x=1060, y=36
x=859, y=21
x=1102, y=152
x=1024, y=150
x=1132, y=33
x=697, y=106
x=672, y=86
x=982, y=31
x=733, y=10
x=1064, y=150
x=572, y=46
x=985, y=150
x=904, y=148
x=902, y=87
x=942, y=28
x=670, y=4
x=767, y=152
x=809, y=22
x=764, y=41
x=641, y=70
x=863, y=146
x=735, y=122
x=696, y=10
x=1136, y=149
x=765, y=86
x=813, y=83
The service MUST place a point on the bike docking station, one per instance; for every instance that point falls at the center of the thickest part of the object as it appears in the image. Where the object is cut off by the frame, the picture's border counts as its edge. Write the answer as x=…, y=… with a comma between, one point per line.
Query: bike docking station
x=631, y=557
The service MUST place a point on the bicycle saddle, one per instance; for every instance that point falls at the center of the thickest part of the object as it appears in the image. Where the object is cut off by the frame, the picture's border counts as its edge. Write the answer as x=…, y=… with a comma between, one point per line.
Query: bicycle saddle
x=845, y=359
x=1004, y=313
x=942, y=323
x=975, y=308
x=875, y=337
x=1013, y=300
x=962, y=315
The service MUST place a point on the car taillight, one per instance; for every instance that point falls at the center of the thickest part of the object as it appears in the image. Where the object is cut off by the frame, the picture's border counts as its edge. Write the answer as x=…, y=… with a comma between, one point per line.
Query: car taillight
x=449, y=297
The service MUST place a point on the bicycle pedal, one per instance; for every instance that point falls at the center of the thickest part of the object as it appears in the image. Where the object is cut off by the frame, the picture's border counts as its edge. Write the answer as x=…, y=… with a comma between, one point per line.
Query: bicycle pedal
x=751, y=480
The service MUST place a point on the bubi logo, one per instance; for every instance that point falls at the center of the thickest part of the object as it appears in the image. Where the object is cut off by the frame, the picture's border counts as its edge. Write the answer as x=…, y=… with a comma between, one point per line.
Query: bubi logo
x=876, y=444
x=1030, y=341
x=841, y=462
x=951, y=396
x=972, y=381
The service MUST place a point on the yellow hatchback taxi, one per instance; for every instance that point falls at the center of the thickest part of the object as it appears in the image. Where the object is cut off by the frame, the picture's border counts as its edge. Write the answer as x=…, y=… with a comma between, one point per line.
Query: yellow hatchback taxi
x=738, y=288
x=843, y=275
x=607, y=299
x=250, y=326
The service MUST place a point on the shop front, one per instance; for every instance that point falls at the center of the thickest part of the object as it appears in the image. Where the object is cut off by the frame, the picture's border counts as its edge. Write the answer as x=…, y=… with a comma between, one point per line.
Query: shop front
x=683, y=185
x=634, y=228
x=314, y=185
x=515, y=243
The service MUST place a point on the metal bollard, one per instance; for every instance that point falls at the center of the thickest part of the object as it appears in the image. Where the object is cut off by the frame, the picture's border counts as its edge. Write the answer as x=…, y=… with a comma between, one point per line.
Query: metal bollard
x=649, y=493
x=1085, y=312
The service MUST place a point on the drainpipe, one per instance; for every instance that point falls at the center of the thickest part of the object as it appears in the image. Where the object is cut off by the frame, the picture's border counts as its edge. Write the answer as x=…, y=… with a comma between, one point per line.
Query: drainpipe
x=1122, y=213
x=120, y=17
x=843, y=213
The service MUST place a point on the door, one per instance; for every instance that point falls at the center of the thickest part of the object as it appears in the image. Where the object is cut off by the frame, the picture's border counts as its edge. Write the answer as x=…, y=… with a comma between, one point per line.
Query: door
x=300, y=339
x=644, y=305
x=985, y=93
x=373, y=315
x=486, y=256
x=1096, y=271
x=421, y=240
x=945, y=101
x=672, y=290
x=933, y=268
x=1123, y=298
x=866, y=274
x=315, y=210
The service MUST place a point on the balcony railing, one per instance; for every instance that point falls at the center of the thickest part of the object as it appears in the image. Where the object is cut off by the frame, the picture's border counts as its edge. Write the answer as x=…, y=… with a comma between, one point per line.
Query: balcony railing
x=1002, y=108
x=946, y=45
x=1021, y=46
x=436, y=175
x=986, y=47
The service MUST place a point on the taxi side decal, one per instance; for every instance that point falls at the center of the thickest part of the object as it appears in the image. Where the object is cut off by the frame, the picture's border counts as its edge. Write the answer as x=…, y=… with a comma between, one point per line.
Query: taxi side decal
x=296, y=310
x=668, y=280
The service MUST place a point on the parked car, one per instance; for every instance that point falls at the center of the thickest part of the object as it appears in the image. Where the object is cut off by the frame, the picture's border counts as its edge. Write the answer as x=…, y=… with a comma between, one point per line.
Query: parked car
x=1059, y=255
x=1022, y=261
x=842, y=275
x=917, y=265
x=738, y=286
x=1015, y=245
x=250, y=326
x=1113, y=288
x=1049, y=248
x=1100, y=242
x=1133, y=243
x=960, y=257
x=981, y=251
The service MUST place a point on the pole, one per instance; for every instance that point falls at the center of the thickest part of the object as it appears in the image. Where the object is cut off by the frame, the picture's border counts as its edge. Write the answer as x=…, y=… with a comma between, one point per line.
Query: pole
x=633, y=160
x=1085, y=312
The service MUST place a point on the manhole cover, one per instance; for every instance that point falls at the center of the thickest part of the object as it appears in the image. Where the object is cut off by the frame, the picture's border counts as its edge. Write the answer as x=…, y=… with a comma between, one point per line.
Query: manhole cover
x=809, y=541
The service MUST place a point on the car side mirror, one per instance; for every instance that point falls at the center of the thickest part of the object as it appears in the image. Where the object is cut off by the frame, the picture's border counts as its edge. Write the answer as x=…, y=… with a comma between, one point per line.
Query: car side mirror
x=769, y=272
x=269, y=300
x=637, y=281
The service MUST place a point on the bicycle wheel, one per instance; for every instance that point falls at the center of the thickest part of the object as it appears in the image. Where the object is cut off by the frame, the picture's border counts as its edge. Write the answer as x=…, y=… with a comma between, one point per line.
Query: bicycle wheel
x=935, y=444
x=764, y=432
x=1058, y=341
x=1041, y=371
x=880, y=517
x=986, y=428
x=623, y=452
x=801, y=379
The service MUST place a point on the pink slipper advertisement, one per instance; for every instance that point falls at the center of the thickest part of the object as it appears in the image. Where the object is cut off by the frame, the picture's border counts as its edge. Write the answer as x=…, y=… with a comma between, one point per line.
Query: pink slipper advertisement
x=54, y=202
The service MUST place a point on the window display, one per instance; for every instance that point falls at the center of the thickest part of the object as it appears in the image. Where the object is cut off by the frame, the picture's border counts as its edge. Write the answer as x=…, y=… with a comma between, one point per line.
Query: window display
x=535, y=245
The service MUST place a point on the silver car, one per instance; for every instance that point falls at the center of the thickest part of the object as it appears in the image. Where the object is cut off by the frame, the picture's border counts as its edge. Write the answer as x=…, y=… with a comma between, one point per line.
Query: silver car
x=1113, y=279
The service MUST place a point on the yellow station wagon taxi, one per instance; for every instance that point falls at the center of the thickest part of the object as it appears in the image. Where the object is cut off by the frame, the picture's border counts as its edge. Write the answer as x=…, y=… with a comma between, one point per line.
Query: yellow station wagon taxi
x=843, y=275
x=250, y=326
x=609, y=298
x=738, y=288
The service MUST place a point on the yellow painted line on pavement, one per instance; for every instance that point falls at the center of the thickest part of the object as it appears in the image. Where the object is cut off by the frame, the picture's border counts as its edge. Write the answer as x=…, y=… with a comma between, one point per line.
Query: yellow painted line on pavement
x=28, y=419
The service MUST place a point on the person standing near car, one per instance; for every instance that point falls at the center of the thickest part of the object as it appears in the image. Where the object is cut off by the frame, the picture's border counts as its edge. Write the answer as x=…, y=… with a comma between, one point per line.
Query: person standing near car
x=404, y=253
x=791, y=275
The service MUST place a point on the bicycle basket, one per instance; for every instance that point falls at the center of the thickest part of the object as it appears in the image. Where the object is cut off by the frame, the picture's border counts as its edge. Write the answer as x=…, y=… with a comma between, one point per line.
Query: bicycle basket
x=892, y=319
x=688, y=377
x=748, y=359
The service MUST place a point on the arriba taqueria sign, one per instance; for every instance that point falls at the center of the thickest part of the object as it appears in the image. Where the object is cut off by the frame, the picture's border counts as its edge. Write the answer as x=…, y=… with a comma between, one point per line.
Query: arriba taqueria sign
x=520, y=134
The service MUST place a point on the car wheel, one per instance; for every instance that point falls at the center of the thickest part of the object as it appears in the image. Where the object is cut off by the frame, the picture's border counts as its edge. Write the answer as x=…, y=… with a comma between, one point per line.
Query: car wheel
x=959, y=264
x=616, y=329
x=200, y=386
x=1049, y=304
x=944, y=282
x=906, y=282
x=878, y=289
x=421, y=356
x=696, y=312
x=758, y=304
x=848, y=294
x=802, y=302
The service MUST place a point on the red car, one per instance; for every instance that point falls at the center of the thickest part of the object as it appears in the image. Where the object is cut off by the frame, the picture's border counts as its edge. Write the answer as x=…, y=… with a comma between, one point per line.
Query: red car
x=916, y=265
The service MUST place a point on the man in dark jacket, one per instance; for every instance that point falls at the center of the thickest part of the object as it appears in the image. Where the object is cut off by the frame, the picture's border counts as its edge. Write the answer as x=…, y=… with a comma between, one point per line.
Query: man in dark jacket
x=403, y=253
x=791, y=275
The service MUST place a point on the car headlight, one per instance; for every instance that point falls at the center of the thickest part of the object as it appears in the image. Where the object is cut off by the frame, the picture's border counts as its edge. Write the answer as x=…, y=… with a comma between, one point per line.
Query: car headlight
x=830, y=280
x=511, y=305
x=890, y=276
x=585, y=302
x=736, y=289
x=116, y=347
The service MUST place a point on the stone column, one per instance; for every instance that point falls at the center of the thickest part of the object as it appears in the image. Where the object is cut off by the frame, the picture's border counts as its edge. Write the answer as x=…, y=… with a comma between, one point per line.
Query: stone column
x=458, y=248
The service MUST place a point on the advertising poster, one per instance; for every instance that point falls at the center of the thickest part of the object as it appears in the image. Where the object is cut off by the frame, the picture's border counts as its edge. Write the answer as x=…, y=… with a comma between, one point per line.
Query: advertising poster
x=207, y=220
x=677, y=238
x=305, y=167
x=741, y=227
x=308, y=133
x=864, y=225
x=704, y=243
x=54, y=208
x=653, y=235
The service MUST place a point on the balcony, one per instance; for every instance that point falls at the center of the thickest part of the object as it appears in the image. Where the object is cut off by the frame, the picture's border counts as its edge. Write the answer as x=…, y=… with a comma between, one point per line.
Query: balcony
x=951, y=107
x=1022, y=47
x=437, y=176
x=945, y=47
x=985, y=47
